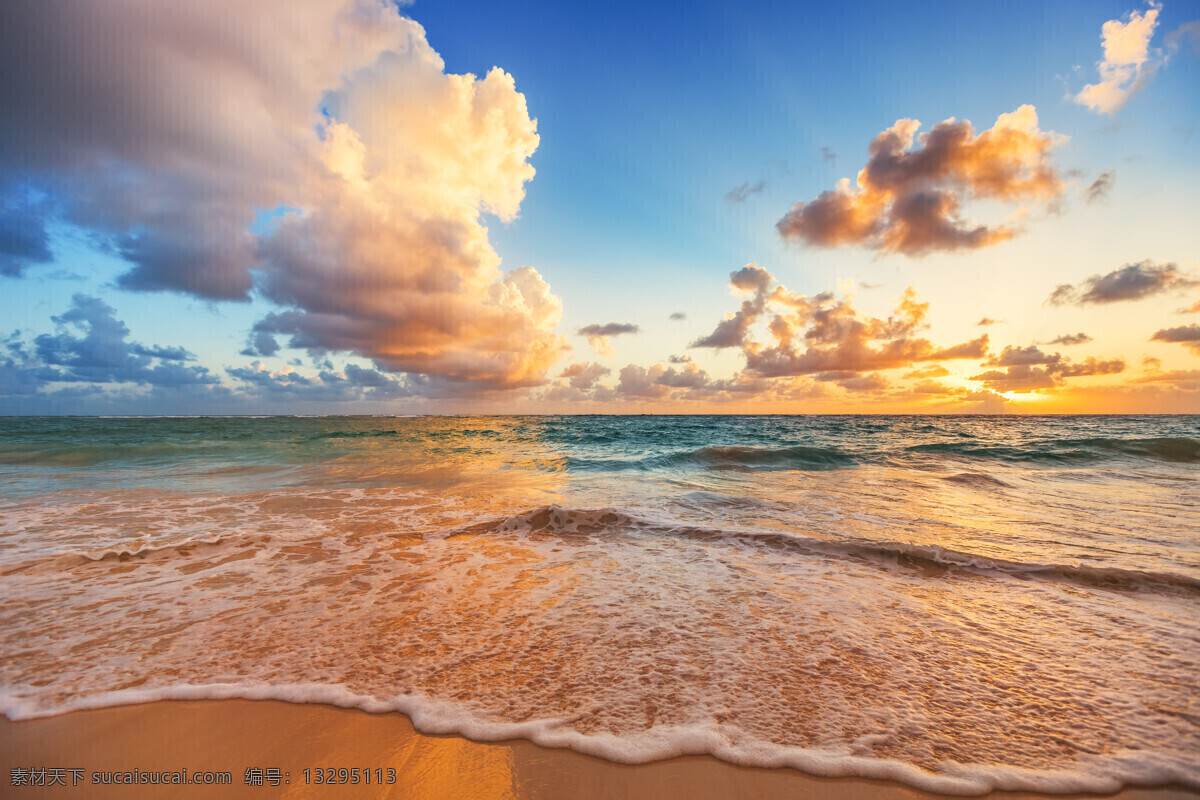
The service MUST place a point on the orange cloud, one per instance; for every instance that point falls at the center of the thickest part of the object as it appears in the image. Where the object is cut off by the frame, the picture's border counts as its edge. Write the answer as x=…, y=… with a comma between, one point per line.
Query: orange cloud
x=1029, y=368
x=824, y=337
x=908, y=200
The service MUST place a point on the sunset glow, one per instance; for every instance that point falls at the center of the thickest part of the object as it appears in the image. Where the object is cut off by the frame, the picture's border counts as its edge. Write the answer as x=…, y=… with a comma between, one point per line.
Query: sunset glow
x=364, y=207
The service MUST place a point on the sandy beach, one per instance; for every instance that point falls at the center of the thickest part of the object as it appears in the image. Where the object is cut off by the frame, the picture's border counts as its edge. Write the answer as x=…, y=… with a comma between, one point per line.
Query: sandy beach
x=235, y=735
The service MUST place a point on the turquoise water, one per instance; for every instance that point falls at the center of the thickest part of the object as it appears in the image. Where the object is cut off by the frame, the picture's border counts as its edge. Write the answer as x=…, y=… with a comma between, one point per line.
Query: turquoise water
x=961, y=603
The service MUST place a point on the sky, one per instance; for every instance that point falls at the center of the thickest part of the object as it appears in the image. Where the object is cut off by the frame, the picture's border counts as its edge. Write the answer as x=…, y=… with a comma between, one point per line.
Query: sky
x=355, y=206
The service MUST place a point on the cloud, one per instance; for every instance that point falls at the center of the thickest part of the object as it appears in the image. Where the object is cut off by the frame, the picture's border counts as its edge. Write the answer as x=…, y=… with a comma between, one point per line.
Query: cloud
x=908, y=199
x=1186, y=378
x=932, y=371
x=741, y=193
x=598, y=335
x=354, y=383
x=583, y=376
x=261, y=343
x=828, y=155
x=986, y=321
x=1099, y=188
x=1131, y=282
x=823, y=335
x=1128, y=63
x=1029, y=368
x=1071, y=338
x=91, y=346
x=23, y=240
x=1186, y=35
x=678, y=315
x=167, y=129
x=1187, y=335
x=1194, y=308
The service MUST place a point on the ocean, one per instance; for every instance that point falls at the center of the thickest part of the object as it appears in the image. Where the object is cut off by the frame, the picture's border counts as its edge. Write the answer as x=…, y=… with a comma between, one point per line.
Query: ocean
x=957, y=603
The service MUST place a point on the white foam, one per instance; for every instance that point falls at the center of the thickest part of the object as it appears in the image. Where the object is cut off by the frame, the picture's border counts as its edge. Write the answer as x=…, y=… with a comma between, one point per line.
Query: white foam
x=1096, y=774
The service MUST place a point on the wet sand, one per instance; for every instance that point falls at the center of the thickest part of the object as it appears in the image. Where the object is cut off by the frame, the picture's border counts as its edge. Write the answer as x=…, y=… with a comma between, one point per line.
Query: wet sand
x=236, y=735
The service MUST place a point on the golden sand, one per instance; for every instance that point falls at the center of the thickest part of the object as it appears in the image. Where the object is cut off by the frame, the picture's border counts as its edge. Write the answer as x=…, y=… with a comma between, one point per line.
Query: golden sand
x=236, y=735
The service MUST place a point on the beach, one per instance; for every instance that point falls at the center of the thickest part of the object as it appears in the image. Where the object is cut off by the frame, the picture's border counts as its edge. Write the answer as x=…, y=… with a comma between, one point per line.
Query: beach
x=952, y=605
x=233, y=735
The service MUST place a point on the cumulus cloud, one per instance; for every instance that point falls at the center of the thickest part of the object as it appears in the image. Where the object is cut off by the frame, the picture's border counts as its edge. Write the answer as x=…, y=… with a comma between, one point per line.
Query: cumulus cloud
x=1071, y=338
x=91, y=346
x=90, y=365
x=166, y=129
x=822, y=335
x=1099, y=188
x=354, y=383
x=1187, y=335
x=1029, y=368
x=909, y=199
x=584, y=375
x=1130, y=282
x=598, y=335
x=1128, y=62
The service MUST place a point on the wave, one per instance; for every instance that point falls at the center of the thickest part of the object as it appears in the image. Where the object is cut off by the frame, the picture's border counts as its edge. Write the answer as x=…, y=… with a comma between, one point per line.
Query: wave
x=1179, y=449
x=1093, y=773
x=88, y=455
x=978, y=480
x=584, y=522
x=737, y=458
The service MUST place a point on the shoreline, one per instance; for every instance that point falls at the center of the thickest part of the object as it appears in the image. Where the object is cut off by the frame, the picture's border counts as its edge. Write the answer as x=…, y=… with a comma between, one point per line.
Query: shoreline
x=235, y=735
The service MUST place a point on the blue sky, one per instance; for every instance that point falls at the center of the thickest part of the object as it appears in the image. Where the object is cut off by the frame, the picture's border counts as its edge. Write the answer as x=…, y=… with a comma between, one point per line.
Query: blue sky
x=647, y=119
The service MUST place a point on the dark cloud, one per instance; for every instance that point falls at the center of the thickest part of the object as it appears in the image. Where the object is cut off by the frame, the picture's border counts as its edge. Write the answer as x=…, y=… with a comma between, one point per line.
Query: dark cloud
x=23, y=240
x=608, y=329
x=1071, y=338
x=261, y=343
x=740, y=194
x=678, y=315
x=1130, y=282
x=355, y=383
x=908, y=200
x=91, y=346
x=598, y=335
x=1029, y=368
x=1099, y=188
x=1187, y=335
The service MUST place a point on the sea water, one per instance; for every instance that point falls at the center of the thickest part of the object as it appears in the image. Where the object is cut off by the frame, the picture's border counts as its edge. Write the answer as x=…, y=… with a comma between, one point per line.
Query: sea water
x=958, y=603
